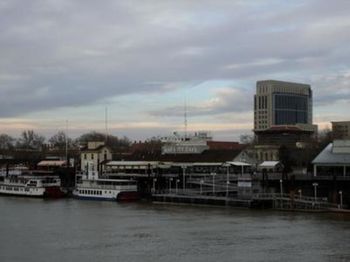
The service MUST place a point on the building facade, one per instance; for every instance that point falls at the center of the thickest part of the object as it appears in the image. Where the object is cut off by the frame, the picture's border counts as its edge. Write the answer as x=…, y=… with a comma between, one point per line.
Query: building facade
x=282, y=117
x=341, y=129
x=186, y=144
x=279, y=103
x=93, y=155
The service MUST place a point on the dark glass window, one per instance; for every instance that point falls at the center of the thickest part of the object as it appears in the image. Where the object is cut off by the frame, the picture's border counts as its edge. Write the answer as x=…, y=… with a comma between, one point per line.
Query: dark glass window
x=290, y=109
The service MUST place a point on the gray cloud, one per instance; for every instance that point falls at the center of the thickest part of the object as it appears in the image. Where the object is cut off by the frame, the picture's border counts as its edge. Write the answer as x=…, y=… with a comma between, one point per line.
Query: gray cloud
x=225, y=100
x=332, y=88
x=72, y=53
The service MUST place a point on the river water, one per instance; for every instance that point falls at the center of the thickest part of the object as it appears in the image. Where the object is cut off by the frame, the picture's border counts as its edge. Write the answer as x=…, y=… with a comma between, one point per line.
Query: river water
x=71, y=230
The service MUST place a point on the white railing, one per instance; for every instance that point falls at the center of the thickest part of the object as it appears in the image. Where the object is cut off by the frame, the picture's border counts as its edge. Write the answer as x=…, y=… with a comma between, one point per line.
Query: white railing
x=288, y=196
x=306, y=201
x=107, y=187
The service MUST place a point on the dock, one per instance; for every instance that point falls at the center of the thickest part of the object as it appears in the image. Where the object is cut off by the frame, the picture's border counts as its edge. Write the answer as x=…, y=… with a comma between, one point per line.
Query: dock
x=201, y=200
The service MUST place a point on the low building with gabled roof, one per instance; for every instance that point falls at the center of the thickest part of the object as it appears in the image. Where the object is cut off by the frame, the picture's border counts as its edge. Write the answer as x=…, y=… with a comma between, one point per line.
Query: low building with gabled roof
x=334, y=159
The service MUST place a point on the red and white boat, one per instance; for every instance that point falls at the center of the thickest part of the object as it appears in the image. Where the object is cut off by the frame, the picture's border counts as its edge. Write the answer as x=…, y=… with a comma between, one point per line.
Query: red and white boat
x=19, y=183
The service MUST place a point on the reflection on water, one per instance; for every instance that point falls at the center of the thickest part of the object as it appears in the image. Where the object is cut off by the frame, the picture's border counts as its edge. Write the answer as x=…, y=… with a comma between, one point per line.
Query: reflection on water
x=72, y=230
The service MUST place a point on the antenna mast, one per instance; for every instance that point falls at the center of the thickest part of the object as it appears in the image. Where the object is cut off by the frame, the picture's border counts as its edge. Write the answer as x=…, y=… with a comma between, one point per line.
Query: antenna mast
x=66, y=138
x=185, y=118
x=106, y=126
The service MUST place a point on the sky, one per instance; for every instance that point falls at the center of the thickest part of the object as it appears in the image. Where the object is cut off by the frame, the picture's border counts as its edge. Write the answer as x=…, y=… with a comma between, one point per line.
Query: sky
x=64, y=63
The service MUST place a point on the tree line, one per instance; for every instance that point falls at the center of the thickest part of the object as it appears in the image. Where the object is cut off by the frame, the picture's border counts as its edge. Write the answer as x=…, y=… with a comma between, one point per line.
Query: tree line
x=30, y=140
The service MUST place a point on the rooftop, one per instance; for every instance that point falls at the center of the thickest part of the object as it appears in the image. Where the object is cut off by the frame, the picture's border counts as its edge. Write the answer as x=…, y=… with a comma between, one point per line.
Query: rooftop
x=328, y=156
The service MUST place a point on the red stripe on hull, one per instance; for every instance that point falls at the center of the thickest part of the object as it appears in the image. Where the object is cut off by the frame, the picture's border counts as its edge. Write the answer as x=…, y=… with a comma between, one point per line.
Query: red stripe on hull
x=53, y=192
x=128, y=196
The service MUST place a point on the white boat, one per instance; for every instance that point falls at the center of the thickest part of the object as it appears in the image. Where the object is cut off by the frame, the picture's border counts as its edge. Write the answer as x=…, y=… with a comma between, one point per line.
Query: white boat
x=30, y=185
x=90, y=186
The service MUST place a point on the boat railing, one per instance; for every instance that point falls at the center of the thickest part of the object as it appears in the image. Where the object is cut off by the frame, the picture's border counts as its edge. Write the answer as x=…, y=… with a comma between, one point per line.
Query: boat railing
x=107, y=187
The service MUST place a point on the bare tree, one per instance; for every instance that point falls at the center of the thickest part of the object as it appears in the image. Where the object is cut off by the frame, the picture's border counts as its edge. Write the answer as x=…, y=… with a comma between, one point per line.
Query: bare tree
x=110, y=140
x=6, y=142
x=325, y=136
x=59, y=140
x=30, y=140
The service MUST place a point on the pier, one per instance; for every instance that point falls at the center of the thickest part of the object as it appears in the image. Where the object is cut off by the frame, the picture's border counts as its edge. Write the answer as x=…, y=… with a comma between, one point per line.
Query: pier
x=294, y=193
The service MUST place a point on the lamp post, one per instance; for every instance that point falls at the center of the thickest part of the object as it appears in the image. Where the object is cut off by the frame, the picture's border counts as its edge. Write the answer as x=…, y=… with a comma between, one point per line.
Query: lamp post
x=281, y=187
x=341, y=198
x=227, y=184
x=315, y=190
x=213, y=174
x=177, y=182
x=201, y=186
x=154, y=184
x=227, y=173
x=183, y=177
x=299, y=191
x=170, y=180
x=281, y=192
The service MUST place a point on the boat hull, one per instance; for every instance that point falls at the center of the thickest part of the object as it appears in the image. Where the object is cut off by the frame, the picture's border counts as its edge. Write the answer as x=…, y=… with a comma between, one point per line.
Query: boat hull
x=128, y=196
x=123, y=196
x=51, y=192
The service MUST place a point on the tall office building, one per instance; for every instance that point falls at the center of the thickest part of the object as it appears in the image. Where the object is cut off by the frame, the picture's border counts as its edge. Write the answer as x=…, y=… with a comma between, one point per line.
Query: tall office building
x=282, y=116
x=279, y=103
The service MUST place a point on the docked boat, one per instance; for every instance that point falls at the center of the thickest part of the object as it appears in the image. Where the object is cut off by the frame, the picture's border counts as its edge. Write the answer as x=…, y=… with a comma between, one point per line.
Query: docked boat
x=95, y=188
x=18, y=184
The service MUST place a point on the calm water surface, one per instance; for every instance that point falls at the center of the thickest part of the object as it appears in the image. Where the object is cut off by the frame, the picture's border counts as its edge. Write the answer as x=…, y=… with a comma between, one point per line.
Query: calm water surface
x=71, y=230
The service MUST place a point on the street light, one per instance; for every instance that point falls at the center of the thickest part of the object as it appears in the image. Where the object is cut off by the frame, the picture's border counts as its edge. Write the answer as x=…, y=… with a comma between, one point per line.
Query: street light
x=201, y=186
x=341, y=198
x=299, y=191
x=227, y=184
x=213, y=174
x=170, y=180
x=177, y=182
x=281, y=191
x=315, y=190
x=281, y=187
x=227, y=173
x=183, y=177
x=154, y=184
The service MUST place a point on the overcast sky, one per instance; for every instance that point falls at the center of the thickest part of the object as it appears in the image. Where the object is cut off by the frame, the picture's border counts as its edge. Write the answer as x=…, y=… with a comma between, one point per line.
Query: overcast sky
x=70, y=59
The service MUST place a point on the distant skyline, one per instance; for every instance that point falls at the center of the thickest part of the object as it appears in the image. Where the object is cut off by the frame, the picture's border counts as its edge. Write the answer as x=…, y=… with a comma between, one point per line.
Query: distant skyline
x=69, y=60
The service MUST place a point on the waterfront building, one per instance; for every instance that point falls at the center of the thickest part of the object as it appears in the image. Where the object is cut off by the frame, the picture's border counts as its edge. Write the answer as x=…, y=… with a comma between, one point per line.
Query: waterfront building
x=341, y=129
x=186, y=144
x=93, y=155
x=333, y=160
